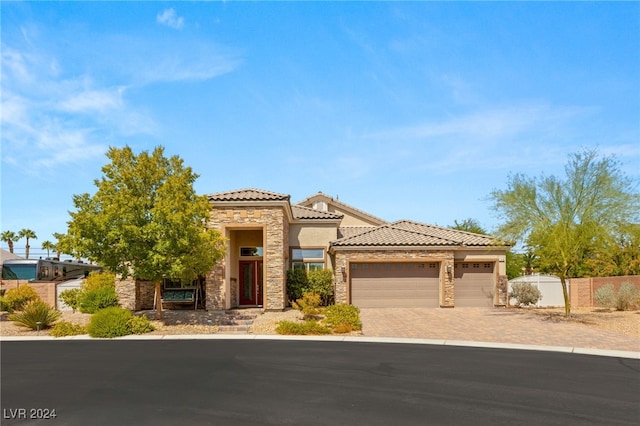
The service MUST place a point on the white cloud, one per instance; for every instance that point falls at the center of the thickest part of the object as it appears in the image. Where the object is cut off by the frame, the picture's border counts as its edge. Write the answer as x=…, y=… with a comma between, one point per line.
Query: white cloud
x=93, y=100
x=169, y=18
x=51, y=121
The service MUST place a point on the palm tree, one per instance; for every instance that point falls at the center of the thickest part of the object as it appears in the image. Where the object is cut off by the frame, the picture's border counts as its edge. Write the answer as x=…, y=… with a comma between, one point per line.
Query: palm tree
x=27, y=233
x=58, y=236
x=9, y=237
x=48, y=245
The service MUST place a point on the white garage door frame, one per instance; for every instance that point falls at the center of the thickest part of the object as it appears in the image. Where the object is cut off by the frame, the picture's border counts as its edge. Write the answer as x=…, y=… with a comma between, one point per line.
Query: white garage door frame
x=391, y=283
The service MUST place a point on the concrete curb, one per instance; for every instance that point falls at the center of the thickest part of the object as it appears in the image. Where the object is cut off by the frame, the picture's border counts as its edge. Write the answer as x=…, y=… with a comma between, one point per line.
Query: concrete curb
x=350, y=339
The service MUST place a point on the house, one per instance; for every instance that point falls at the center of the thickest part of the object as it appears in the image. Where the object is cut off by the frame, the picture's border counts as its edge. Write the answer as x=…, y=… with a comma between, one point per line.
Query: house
x=375, y=263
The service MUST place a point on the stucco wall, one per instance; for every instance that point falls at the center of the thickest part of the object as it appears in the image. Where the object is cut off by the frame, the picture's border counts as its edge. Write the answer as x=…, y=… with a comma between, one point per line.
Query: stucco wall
x=484, y=255
x=310, y=235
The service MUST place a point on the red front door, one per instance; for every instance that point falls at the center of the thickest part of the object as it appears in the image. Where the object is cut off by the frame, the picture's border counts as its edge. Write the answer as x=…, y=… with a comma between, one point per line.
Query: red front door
x=250, y=282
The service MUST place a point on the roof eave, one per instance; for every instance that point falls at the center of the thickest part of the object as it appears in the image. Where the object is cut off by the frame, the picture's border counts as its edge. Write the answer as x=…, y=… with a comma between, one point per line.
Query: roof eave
x=388, y=248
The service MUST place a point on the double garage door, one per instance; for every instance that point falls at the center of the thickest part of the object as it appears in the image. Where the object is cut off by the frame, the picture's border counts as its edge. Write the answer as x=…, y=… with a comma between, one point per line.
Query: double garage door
x=417, y=284
x=395, y=285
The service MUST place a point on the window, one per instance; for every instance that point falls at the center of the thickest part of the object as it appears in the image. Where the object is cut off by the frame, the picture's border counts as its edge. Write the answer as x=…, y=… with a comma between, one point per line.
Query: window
x=488, y=265
x=308, y=259
x=251, y=251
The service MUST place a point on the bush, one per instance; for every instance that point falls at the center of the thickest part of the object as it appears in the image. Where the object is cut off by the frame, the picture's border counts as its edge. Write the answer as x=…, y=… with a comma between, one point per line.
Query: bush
x=320, y=281
x=98, y=280
x=91, y=301
x=16, y=298
x=605, y=296
x=33, y=313
x=110, y=322
x=309, y=327
x=309, y=305
x=140, y=325
x=628, y=297
x=343, y=318
x=296, y=283
x=525, y=294
x=65, y=328
x=71, y=297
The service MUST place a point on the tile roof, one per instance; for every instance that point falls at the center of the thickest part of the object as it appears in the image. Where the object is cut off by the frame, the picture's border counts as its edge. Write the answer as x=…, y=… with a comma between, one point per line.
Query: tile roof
x=351, y=231
x=463, y=237
x=248, y=194
x=407, y=234
x=300, y=212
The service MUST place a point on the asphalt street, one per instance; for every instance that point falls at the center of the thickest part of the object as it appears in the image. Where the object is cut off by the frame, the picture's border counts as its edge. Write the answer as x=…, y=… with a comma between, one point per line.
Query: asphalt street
x=253, y=382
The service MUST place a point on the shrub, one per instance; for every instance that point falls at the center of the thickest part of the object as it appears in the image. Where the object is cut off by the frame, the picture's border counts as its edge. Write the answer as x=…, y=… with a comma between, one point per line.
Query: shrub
x=296, y=283
x=4, y=306
x=343, y=318
x=302, y=328
x=605, y=296
x=98, y=280
x=16, y=298
x=33, y=313
x=66, y=328
x=525, y=294
x=309, y=305
x=110, y=322
x=140, y=325
x=71, y=297
x=91, y=301
x=628, y=297
x=320, y=281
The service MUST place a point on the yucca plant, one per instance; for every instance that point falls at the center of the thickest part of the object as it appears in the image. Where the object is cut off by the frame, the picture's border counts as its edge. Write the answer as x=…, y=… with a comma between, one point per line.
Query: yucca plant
x=35, y=315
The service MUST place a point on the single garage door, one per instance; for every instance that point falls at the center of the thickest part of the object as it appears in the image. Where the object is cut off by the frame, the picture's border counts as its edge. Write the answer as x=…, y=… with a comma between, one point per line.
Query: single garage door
x=474, y=284
x=395, y=285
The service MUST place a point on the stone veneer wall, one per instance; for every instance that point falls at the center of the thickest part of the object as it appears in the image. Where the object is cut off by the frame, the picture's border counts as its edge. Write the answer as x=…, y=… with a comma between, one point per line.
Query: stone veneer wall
x=343, y=257
x=275, y=253
x=135, y=294
x=126, y=291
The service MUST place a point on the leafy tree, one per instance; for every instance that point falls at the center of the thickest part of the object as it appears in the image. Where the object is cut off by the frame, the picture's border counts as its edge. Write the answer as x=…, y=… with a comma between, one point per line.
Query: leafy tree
x=48, y=246
x=9, y=237
x=620, y=256
x=145, y=220
x=565, y=221
x=27, y=234
x=469, y=225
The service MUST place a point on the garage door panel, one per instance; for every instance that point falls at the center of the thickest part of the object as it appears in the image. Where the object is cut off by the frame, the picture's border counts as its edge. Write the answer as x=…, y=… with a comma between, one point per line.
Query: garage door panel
x=474, y=284
x=395, y=285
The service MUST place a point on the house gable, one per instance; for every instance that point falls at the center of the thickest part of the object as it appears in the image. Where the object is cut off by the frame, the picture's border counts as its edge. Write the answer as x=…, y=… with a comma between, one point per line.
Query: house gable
x=351, y=216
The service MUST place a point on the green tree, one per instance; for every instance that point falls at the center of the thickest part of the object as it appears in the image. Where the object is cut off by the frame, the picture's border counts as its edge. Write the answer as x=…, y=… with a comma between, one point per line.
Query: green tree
x=565, y=221
x=27, y=234
x=145, y=220
x=469, y=225
x=48, y=246
x=9, y=237
x=621, y=254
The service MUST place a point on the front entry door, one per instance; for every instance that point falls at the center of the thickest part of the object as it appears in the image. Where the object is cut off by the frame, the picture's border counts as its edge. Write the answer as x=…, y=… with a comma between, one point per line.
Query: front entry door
x=250, y=282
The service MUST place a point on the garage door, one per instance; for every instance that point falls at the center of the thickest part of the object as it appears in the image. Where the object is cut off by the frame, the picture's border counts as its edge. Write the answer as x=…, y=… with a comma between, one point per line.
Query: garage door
x=395, y=285
x=474, y=284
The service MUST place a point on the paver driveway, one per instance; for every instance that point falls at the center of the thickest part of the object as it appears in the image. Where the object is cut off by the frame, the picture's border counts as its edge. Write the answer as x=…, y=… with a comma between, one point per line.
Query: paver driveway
x=488, y=325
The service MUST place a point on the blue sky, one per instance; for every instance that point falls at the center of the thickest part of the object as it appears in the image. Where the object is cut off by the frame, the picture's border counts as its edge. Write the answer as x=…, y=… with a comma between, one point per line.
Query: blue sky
x=404, y=110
